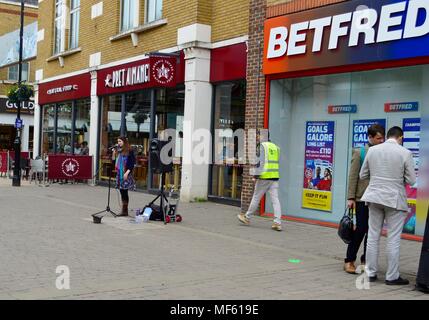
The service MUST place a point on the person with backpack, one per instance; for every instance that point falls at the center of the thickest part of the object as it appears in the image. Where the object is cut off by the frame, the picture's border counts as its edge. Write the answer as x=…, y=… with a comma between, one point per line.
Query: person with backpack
x=356, y=190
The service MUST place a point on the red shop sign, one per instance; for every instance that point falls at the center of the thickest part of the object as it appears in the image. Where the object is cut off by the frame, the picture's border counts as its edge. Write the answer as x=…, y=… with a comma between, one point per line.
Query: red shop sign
x=152, y=72
x=66, y=166
x=72, y=88
x=3, y=162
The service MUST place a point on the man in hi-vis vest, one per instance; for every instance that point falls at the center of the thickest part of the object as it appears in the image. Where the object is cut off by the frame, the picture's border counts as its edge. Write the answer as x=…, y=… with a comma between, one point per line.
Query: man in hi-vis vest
x=267, y=176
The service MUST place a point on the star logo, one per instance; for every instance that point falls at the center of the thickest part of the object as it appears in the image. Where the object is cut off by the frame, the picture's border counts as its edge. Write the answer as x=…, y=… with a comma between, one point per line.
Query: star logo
x=163, y=71
x=107, y=81
x=70, y=167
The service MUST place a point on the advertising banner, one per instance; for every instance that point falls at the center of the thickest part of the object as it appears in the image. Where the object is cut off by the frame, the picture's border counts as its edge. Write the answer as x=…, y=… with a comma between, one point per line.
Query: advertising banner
x=411, y=127
x=69, y=167
x=3, y=162
x=318, y=166
x=9, y=49
x=360, y=131
x=348, y=33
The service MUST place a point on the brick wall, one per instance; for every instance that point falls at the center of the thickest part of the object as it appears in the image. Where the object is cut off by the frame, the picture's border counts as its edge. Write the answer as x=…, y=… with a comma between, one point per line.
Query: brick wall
x=10, y=16
x=230, y=19
x=95, y=33
x=254, y=97
x=279, y=8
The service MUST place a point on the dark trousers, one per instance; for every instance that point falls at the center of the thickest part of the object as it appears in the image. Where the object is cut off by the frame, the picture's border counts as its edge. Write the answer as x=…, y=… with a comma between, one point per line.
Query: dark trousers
x=361, y=232
x=124, y=195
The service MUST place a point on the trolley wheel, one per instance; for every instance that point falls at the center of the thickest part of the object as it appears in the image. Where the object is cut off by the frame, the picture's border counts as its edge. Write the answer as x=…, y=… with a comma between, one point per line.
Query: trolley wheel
x=167, y=219
x=178, y=218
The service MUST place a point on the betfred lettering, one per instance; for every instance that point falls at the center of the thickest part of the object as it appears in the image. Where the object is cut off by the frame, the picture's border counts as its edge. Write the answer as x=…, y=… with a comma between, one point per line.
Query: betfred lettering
x=293, y=40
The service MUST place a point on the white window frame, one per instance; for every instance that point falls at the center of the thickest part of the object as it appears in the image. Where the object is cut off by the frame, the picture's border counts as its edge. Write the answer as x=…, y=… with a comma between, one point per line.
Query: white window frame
x=74, y=29
x=135, y=13
x=158, y=9
x=60, y=19
x=17, y=72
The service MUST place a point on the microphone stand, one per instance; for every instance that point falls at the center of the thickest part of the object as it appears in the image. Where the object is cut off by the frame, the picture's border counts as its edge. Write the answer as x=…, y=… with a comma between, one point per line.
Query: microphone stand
x=96, y=218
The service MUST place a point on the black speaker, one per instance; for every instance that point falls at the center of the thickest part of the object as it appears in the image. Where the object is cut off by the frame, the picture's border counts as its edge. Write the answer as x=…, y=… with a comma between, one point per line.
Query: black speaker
x=156, y=164
x=422, y=281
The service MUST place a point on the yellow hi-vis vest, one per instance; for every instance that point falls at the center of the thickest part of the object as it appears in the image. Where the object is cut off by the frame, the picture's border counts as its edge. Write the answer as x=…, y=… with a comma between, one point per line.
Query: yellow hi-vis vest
x=271, y=164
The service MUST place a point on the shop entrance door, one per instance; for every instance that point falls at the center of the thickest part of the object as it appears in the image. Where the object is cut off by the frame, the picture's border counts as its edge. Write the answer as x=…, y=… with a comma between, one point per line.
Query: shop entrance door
x=7, y=137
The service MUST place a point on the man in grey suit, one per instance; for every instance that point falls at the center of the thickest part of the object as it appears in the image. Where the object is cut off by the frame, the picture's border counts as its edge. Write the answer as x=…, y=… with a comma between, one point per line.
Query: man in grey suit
x=389, y=166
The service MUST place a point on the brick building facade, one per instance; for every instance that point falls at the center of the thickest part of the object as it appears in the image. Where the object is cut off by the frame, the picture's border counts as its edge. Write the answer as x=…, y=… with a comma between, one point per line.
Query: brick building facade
x=10, y=13
x=208, y=38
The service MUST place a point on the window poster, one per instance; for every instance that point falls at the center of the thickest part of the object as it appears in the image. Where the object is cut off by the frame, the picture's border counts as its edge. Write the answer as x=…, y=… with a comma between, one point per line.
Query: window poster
x=360, y=131
x=411, y=127
x=318, y=166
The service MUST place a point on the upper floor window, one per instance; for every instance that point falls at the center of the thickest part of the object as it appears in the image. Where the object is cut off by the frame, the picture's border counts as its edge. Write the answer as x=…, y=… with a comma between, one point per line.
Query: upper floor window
x=13, y=72
x=74, y=23
x=129, y=14
x=59, y=30
x=154, y=10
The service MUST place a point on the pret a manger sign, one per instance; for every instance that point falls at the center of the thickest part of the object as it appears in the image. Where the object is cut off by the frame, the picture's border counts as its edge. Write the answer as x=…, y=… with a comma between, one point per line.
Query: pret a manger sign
x=347, y=33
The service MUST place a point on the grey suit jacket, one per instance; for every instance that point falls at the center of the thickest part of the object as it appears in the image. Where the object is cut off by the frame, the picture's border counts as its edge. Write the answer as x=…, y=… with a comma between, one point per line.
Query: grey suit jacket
x=389, y=166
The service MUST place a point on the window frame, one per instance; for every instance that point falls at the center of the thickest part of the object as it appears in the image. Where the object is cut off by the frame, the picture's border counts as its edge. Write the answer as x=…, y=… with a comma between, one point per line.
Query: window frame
x=74, y=11
x=60, y=5
x=17, y=72
x=147, y=7
x=136, y=17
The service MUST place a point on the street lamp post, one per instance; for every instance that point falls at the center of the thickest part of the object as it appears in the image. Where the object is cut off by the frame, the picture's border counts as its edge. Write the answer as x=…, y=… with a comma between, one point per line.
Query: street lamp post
x=16, y=180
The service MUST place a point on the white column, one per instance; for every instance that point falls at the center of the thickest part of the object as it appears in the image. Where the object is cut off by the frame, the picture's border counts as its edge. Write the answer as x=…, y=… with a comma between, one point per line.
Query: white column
x=93, y=128
x=37, y=123
x=198, y=108
x=25, y=135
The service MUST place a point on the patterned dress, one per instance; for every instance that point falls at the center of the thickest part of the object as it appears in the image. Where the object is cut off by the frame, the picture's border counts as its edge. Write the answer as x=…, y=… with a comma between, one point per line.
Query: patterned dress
x=121, y=168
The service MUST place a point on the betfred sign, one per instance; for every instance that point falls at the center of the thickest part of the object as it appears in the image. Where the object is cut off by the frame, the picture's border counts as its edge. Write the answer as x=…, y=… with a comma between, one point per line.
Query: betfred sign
x=154, y=71
x=353, y=32
x=71, y=88
x=7, y=107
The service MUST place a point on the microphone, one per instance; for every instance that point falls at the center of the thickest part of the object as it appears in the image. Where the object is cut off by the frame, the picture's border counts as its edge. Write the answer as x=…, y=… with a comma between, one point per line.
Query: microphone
x=115, y=147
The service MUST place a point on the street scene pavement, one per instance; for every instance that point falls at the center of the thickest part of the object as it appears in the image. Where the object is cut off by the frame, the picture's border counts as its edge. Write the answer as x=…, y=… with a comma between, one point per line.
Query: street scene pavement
x=209, y=255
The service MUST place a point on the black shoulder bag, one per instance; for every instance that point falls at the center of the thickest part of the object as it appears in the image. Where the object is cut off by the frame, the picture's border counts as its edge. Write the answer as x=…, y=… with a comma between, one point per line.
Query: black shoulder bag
x=345, y=229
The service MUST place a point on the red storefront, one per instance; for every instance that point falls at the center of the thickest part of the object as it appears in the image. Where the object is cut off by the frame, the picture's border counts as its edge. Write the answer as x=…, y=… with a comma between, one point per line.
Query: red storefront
x=141, y=99
x=228, y=77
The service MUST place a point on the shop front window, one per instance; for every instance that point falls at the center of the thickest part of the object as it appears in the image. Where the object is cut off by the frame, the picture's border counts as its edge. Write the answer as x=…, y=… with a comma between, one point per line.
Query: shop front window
x=110, y=130
x=169, y=117
x=82, y=126
x=229, y=115
x=48, y=129
x=317, y=121
x=137, y=129
x=64, y=128
x=58, y=122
